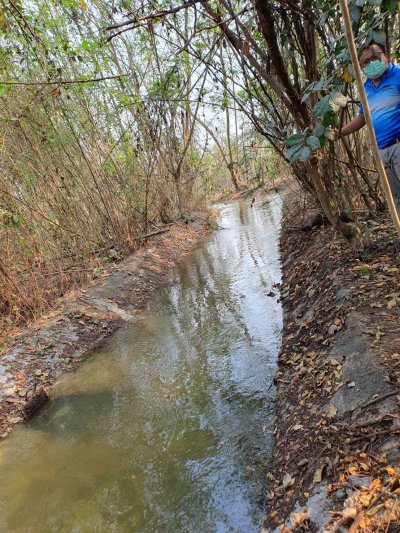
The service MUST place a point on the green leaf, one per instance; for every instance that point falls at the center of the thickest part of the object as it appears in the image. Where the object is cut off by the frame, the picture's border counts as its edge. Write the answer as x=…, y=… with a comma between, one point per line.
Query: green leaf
x=355, y=13
x=319, y=130
x=304, y=153
x=318, y=85
x=323, y=18
x=390, y=6
x=329, y=118
x=4, y=89
x=321, y=107
x=313, y=142
x=293, y=153
x=295, y=139
x=378, y=36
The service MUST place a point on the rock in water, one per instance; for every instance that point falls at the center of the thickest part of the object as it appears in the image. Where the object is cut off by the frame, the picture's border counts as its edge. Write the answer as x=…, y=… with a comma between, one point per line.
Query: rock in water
x=39, y=397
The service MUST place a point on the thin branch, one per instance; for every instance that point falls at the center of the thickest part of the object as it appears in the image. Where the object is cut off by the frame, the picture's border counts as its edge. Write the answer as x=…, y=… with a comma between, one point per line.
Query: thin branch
x=60, y=82
x=21, y=16
x=152, y=16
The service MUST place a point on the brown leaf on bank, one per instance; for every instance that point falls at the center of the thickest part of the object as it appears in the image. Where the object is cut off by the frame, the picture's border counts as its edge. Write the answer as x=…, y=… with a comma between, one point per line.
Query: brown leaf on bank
x=296, y=519
x=319, y=474
x=349, y=512
x=332, y=411
x=390, y=470
x=365, y=499
x=287, y=481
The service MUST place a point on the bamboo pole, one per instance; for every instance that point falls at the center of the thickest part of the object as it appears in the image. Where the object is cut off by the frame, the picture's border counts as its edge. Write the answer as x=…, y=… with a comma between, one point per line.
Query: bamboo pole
x=367, y=114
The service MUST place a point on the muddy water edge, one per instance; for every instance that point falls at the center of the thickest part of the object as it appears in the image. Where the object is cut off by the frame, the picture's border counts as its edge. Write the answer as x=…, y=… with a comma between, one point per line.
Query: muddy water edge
x=168, y=426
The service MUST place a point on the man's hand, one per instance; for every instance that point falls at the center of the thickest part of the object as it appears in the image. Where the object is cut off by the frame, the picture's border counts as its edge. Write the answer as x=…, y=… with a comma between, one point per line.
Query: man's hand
x=337, y=133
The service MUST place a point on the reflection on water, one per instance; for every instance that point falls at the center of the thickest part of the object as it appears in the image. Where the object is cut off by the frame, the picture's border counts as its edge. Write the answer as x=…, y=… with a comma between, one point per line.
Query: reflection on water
x=167, y=427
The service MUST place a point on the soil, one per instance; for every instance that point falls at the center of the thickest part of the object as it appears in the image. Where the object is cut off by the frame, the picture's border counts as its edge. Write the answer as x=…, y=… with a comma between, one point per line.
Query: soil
x=32, y=360
x=337, y=450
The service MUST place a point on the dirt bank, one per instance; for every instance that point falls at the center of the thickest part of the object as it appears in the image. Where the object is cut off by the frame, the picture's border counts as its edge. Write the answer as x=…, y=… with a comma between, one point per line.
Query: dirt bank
x=38, y=356
x=336, y=456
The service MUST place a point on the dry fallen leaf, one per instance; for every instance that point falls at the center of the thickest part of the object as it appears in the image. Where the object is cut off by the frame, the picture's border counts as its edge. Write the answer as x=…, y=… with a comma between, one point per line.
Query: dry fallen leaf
x=302, y=462
x=296, y=519
x=391, y=471
x=365, y=499
x=376, y=484
x=371, y=512
x=349, y=512
x=287, y=481
x=318, y=474
x=332, y=411
x=332, y=329
x=296, y=427
x=364, y=523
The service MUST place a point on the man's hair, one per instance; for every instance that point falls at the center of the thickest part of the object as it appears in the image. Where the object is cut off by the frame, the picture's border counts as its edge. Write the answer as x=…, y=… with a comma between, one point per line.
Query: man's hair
x=373, y=43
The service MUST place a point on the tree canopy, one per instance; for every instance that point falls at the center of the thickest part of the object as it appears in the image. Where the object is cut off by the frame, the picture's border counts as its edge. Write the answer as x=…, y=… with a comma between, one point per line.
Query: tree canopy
x=119, y=116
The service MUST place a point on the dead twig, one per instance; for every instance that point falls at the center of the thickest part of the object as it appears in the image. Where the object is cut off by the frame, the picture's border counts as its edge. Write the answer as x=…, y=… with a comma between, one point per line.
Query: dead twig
x=375, y=421
x=395, y=502
x=153, y=233
x=356, y=523
x=152, y=16
x=61, y=82
x=372, y=435
x=381, y=398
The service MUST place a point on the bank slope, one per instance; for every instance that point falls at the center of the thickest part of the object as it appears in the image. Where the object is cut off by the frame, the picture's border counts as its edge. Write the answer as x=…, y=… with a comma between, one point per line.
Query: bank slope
x=334, y=466
x=57, y=343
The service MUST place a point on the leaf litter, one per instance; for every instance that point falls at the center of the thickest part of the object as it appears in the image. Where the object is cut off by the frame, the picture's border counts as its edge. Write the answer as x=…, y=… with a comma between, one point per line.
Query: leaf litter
x=351, y=451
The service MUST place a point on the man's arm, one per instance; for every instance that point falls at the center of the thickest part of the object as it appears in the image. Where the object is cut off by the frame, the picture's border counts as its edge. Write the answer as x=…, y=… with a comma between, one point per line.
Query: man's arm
x=354, y=125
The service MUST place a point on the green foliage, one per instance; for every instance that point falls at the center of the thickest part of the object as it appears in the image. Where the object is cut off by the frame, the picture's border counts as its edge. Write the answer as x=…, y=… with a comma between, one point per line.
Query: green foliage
x=321, y=107
x=295, y=140
x=313, y=142
x=368, y=20
x=12, y=220
x=363, y=270
x=90, y=164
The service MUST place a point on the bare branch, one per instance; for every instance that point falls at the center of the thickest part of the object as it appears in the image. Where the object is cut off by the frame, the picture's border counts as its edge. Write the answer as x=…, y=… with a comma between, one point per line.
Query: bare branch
x=60, y=82
x=21, y=16
x=152, y=16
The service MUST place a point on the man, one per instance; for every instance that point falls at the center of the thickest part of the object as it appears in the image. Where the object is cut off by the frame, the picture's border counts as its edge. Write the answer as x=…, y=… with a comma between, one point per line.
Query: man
x=383, y=93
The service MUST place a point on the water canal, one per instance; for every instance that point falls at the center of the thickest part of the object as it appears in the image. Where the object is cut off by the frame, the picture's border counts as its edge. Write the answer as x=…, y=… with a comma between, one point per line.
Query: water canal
x=168, y=426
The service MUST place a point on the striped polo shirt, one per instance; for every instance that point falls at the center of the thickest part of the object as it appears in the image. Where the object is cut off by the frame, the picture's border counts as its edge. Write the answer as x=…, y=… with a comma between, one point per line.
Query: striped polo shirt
x=384, y=102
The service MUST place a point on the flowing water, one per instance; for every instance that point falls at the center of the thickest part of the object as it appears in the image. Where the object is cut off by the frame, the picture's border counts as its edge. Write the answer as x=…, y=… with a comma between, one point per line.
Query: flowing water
x=167, y=428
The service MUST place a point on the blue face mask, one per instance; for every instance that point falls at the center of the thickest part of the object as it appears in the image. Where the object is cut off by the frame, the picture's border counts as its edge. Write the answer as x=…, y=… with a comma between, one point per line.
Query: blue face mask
x=375, y=69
